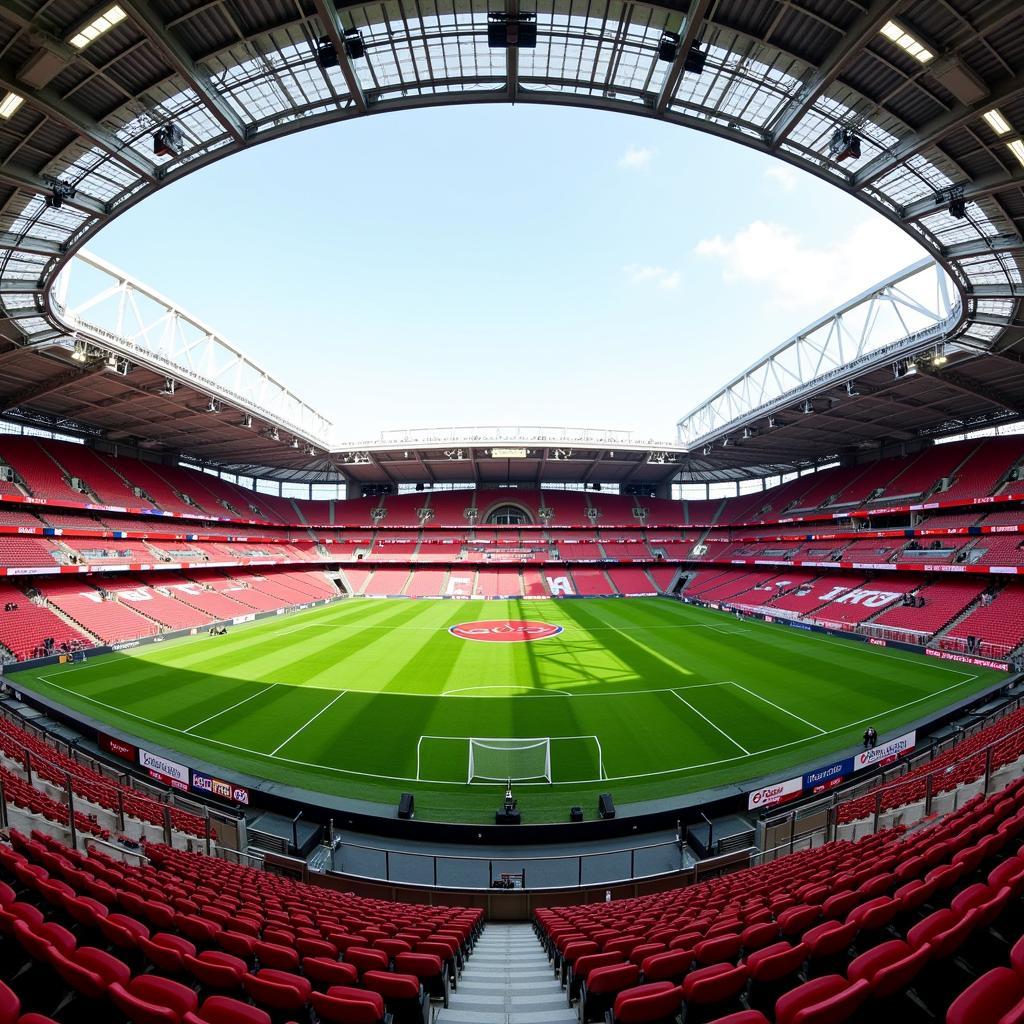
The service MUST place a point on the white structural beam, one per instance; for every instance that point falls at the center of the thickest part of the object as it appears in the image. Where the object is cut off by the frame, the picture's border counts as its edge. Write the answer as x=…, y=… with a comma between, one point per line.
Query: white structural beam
x=900, y=316
x=133, y=320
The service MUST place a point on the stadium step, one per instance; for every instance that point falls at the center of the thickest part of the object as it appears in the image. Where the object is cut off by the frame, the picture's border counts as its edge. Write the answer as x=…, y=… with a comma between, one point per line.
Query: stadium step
x=508, y=980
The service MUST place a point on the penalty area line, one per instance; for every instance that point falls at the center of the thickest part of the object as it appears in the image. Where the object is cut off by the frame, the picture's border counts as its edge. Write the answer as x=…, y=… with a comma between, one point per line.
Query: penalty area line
x=735, y=743
x=791, y=714
x=237, y=704
x=306, y=725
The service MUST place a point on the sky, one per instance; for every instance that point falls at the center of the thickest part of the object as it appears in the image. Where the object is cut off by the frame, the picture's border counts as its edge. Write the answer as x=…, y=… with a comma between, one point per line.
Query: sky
x=494, y=265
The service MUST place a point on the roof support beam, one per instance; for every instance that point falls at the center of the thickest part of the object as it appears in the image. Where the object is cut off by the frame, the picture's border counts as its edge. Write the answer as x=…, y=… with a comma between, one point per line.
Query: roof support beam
x=55, y=107
x=985, y=186
x=981, y=246
x=957, y=380
x=332, y=23
x=932, y=132
x=35, y=185
x=861, y=31
x=30, y=244
x=694, y=17
x=46, y=387
x=142, y=13
x=512, y=55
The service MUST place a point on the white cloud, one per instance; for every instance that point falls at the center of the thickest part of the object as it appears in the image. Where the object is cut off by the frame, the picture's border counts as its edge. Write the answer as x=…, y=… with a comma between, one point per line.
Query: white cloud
x=636, y=158
x=662, y=277
x=801, y=274
x=783, y=175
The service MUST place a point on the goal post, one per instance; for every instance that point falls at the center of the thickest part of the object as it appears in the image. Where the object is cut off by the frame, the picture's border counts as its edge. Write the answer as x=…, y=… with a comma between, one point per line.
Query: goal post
x=502, y=759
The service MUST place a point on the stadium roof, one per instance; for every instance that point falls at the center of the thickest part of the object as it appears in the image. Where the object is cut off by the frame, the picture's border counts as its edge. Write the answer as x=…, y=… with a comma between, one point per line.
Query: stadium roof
x=933, y=90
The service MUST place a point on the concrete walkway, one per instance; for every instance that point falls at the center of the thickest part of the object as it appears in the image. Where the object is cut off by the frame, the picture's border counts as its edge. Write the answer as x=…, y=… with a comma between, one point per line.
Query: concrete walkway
x=508, y=980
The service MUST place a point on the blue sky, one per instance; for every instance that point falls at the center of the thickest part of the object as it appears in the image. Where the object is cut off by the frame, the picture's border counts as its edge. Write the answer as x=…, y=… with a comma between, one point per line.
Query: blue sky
x=499, y=265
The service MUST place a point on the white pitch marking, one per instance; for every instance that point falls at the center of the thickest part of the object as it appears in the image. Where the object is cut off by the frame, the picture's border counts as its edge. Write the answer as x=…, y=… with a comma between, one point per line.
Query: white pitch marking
x=712, y=724
x=232, y=708
x=511, y=686
x=782, y=709
x=309, y=723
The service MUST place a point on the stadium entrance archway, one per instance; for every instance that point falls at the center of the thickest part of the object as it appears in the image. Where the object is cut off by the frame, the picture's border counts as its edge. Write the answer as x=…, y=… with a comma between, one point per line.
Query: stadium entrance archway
x=508, y=514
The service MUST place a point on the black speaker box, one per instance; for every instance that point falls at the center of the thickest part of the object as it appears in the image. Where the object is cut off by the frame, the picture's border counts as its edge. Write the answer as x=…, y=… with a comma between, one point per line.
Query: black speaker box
x=576, y=813
x=406, y=805
x=606, y=806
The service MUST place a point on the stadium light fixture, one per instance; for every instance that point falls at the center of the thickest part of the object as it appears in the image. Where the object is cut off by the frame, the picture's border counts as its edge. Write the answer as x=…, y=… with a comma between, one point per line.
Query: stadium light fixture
x=897, y=34
x=940, y=359
x=844, y=145
x=213, y=405
x=997, y=122
x=80, y=353
x=9, y=105
x=807, y=408
x=1017, y=149
x=246, y=421
x=96, y=26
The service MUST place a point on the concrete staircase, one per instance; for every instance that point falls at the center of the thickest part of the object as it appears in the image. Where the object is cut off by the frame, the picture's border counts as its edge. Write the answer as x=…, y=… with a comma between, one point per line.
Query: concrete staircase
x=508, y=980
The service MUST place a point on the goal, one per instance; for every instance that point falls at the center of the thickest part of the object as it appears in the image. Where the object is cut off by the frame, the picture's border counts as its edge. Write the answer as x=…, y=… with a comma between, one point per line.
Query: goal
x=498, y=760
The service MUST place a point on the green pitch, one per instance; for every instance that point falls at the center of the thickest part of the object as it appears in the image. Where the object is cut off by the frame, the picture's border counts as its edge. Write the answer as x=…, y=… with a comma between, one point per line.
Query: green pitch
x=646, y=698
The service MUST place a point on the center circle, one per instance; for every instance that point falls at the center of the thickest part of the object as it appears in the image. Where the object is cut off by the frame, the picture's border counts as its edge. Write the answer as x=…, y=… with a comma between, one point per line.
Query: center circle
x=504, y=631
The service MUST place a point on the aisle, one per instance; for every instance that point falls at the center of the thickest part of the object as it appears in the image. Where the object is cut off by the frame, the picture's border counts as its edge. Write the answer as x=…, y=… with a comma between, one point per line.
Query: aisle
x=508, y=980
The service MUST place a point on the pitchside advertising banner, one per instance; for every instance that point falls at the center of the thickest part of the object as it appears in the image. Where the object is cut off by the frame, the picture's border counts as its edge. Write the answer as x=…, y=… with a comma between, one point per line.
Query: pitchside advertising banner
x=125, y=751
x=180, y=776
x=823, y=779
x=203, y=783
x=164, y=770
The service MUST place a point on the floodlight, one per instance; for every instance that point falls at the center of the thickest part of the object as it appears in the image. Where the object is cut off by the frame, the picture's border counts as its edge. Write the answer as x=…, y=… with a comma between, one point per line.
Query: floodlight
x=1017, y=149
x=897, y=34
x=844, y=145
x=61, y=190
x=213, y=405
x=997, y=122
x=807, y=408
x=168, y=140
x=94, y=28
x=9, y=105
x=506, y=30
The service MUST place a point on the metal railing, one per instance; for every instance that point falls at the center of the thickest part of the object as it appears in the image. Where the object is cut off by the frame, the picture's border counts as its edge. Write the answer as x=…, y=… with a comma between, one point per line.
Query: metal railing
x=553, y=871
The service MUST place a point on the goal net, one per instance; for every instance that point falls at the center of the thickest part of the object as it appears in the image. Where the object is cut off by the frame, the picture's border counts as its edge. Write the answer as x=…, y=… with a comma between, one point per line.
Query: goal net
x=521, y=760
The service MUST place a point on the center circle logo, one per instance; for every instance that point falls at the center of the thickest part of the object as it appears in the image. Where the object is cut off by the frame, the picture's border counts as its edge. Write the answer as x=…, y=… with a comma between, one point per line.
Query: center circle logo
x=504, y=631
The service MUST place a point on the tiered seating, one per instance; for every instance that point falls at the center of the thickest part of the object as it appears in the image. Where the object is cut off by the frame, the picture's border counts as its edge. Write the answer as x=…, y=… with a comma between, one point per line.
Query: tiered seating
x=28, y=552
x=809, y=596
x=153, y=481
x=569, y=507
x=958, y=766
x=924, y=472
x=985, y=468
x=10, y=516
x=427, y=583
x=449, y=507
x=1000, y=549
x=155, y=598
x=580, y=552
x=23, y=629
x=83, y=463
x=533, y=584
x=618, y=509
x=401, y=511
x=816, y=489
x=356, y=512
x=870, y=478
x=185, y=938
x=108, y=619
x=999, y=624
x=106, y=550
x=387, y=582
x=358, y=578
x=867, y=599
x=662, y=513
x=210, y=603
x=592, y=582
x=499, y=583
x=42, y=476
x=55, y=768
x=827, y=935
x=631, y=582
x=662, y=577
x=943, y=601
